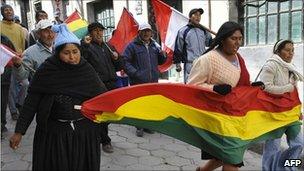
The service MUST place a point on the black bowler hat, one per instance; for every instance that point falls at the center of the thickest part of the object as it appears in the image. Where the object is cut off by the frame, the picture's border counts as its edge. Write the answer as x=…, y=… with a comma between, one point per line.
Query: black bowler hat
x=95, y=25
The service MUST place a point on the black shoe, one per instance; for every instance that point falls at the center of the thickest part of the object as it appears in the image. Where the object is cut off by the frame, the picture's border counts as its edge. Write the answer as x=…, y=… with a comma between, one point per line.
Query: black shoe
x=107, y=148
x=148, y=131
x=140, y=132
x=15, y=116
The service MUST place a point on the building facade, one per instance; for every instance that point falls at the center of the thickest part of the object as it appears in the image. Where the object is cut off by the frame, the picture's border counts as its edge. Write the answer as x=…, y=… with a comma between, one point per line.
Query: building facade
x=264, y=21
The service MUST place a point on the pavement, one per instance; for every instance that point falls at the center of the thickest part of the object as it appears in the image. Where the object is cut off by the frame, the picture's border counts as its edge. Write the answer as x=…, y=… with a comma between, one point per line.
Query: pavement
x=150, y=152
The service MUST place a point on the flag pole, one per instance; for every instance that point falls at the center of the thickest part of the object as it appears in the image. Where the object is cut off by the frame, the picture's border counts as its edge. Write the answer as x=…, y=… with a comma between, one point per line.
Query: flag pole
x=200, y=25
x=109, y=48
x=209, y=30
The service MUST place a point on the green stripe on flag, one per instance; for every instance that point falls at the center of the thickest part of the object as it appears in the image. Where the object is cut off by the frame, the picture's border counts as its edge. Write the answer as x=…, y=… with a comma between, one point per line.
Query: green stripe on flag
x=228, y=149
x=80, y=33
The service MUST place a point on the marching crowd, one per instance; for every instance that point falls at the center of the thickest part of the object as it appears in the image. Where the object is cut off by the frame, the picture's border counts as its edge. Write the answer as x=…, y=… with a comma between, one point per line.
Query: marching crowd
x=54, y=71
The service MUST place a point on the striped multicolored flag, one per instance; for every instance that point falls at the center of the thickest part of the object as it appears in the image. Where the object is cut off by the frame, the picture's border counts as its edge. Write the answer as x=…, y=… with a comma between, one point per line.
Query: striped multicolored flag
x=168, y=22
x=77, y=25
x=223, y=126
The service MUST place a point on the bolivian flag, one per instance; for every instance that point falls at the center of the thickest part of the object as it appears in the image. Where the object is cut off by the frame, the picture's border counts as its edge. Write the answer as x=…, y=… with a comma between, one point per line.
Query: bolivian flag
x=223, y=126
x=77, y=25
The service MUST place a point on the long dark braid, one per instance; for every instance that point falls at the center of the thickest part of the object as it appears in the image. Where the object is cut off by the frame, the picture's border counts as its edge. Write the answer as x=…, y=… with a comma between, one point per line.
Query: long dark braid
x=225, y=31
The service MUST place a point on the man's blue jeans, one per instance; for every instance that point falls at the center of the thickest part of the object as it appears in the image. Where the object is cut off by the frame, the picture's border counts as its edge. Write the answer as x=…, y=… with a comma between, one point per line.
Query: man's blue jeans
x=17, y=93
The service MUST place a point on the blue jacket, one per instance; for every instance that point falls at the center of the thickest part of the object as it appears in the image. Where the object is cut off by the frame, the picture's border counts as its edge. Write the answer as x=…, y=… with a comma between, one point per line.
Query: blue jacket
x=141, y=63
x=190, y=43
x=33, y=57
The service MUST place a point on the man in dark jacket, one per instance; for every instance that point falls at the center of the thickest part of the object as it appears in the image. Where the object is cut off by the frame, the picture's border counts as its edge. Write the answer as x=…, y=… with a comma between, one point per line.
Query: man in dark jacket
x=142, y=57
x=106, y=61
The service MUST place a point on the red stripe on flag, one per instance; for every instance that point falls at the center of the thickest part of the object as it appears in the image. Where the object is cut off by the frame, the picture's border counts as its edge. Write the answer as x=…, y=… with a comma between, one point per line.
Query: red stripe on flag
x=74, y=16
x=162, y=14
x=165, y=66
x=237, y=103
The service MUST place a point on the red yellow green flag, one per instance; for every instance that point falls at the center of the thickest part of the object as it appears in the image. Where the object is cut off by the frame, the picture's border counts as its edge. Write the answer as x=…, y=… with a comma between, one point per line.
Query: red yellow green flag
x=223, y=126
x=77, y=25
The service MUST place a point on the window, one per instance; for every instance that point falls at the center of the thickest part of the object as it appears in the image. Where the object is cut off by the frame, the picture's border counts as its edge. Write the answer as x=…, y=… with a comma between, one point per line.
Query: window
x=262, y=30
x=106, y=18
x=273, y=21
x=104, y=14
x=252, y=27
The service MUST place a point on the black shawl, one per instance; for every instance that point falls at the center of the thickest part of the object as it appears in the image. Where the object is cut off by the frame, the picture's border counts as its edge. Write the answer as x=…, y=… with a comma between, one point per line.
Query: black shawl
x=57, y=77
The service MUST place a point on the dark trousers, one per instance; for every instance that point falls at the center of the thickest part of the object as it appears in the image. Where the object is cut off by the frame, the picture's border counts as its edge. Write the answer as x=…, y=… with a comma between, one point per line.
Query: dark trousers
x=104, y=130
x=4, y=101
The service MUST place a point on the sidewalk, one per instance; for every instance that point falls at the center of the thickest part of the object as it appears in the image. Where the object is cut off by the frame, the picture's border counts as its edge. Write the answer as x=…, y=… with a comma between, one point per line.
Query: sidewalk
x=151, y=152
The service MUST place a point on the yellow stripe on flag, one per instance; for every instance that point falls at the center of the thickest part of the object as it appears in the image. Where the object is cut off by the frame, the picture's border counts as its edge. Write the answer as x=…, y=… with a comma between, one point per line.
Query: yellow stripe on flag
x=77, y=24
x=158, y=108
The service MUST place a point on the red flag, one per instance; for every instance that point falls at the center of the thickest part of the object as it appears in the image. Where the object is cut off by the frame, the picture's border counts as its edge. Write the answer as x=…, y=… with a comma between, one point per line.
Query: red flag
x=125, y=32
x=168, y=22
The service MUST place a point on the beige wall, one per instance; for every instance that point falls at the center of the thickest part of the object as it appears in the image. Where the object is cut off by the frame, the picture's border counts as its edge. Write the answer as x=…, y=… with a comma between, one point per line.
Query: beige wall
x=219, y=15
x=70, y=8
x=190, y=4
x=219, y=11
x=47, y=6
x=118, y=7
x=120, y=4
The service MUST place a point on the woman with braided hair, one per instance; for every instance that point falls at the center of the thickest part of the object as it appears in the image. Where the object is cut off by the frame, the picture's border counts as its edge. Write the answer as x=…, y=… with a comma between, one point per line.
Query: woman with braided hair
x=220, y=69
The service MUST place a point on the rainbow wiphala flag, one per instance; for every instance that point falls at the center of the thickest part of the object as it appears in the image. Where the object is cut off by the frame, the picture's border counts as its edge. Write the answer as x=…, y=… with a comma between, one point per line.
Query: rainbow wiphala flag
x=77, y=25
x=223, y=126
